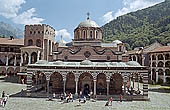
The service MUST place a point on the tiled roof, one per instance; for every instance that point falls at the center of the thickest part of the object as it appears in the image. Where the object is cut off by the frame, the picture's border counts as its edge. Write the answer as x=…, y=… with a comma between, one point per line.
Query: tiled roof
x=8, y=41
x=161, y=49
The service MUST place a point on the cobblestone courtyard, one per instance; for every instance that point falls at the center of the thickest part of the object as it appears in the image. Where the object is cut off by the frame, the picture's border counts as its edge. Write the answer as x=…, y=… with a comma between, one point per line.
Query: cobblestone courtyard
x=159, y=101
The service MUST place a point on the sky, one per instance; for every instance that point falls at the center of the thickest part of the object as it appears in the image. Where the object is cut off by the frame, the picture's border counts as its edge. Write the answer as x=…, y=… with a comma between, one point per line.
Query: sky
x=65, y=15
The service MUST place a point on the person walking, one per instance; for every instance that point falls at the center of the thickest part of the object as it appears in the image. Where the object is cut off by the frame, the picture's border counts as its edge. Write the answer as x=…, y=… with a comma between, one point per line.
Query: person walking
x=5, y=101
x=3, y=94
x=121, y=97
x=111, y=99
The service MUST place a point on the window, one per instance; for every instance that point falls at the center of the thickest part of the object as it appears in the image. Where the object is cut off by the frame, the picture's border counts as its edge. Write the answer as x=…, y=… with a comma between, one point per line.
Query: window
x=84, y=34
x=38, y=32
x=30, y=32
x=38, y=42
x=34, y=32
x=30, y=42
x=91, y=36
x=96, y=34
x=120, y=48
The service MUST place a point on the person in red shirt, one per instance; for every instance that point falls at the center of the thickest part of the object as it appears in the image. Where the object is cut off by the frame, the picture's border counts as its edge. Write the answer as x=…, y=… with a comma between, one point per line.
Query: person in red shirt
x=111, y=99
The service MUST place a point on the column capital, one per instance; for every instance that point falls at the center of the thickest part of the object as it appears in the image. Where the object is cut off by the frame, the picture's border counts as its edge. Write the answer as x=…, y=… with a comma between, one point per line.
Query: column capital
x=48, y=74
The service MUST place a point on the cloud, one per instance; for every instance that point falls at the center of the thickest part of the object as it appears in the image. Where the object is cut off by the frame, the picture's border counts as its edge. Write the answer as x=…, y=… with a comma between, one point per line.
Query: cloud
x=108, y=17
x=27, y=17
x=64, y=33
x=10, y=10
x=129, y=6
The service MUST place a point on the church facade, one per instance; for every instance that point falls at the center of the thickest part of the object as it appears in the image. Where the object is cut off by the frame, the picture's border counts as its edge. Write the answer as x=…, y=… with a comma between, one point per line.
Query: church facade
x=84, y=66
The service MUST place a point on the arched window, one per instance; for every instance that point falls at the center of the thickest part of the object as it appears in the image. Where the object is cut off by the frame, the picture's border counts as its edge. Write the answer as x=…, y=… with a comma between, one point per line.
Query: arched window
x=30, y=42
x=91, y=36
x=84, y=34
x=38, y=42
x=96, y=35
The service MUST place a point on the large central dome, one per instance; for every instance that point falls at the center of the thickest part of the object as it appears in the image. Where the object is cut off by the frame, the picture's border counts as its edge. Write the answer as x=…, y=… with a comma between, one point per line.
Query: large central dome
x=88, y=23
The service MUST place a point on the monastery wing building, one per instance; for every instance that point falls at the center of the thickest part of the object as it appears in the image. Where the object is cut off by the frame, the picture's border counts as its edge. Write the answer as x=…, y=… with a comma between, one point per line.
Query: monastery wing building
x=85, y=66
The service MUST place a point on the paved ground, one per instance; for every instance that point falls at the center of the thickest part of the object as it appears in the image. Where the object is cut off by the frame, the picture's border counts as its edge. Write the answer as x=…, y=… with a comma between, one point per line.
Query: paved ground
x=159, y=101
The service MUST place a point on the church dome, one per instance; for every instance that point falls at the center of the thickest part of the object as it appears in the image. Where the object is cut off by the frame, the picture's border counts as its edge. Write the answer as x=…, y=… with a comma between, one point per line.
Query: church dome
x=88, y=23
x=117, y=42
x=86, y=62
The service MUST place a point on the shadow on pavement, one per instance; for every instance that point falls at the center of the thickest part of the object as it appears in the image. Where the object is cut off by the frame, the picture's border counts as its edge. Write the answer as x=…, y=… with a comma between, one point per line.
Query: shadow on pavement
x=11, y=79
x=161, y=90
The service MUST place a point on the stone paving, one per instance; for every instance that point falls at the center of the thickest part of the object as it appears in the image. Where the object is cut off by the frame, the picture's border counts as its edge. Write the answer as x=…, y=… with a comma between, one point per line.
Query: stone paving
x=159, y=101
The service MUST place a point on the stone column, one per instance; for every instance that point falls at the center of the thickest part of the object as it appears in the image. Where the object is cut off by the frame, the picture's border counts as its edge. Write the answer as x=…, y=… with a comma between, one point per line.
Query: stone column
x=76, y=80
x=136, y=58
x=29, y=57
x=94, y=87
x=15, y=60
x=143, y=60
x=21, y=59
x=29, y=83
x=151, y=67
x=48, y=74
x=157, y=76
x=64, y=88
x=38, y=56
x=108, y=83
x=145, y=85
x=7, y=60
x=164, y=77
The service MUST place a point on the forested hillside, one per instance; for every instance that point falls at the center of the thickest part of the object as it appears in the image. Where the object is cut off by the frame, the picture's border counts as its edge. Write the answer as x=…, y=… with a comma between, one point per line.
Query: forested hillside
x=142, y=27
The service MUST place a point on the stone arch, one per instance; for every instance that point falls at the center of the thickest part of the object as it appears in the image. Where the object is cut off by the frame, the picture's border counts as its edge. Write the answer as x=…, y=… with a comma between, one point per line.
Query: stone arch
x=167, y=56
x=167, y=64
x=2, y=70
x=10, y=71
x=160, y=57
x=38, y=43
x=70, y=83
x=167, y=72
x=25, y=58
x=11, y=60
x=101, y=87
x=17, y=69
x=160, y=64
x=30, y=42
x=153, y=64
x=2, y=60
x=85, y=83
x=18, y=60
x=116, y=83
x=33, y=57
x=134, y=58
x=160, y=72
x=153, y=57
x=56, y=83
x=154, y=74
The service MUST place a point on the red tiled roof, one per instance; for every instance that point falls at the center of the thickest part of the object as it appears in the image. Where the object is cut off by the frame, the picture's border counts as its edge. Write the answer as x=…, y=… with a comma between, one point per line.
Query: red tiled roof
x=8, y=41
x=161, y=49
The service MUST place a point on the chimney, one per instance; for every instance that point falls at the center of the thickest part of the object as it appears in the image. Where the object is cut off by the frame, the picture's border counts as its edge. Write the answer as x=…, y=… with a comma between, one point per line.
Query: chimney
x=11, y=37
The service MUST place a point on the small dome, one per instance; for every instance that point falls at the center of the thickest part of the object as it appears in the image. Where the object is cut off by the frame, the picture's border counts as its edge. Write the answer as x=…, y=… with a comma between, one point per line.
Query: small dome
x=86, y=62
x=117, y=42
x=58, y=63
x=88, y=23
x=133, y=63
x=41, y=62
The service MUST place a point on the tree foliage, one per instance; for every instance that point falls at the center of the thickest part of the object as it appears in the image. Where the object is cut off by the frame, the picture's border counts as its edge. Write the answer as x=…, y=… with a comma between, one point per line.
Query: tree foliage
x=141, y=28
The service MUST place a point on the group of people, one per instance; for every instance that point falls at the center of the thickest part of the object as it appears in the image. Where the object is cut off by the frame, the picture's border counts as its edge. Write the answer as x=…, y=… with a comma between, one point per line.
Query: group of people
x=67, y=97
x=111, y=100
x=4, y=99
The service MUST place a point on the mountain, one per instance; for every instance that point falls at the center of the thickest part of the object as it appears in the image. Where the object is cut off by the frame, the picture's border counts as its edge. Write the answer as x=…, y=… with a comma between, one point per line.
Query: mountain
x=141, y=28
x=7, y=30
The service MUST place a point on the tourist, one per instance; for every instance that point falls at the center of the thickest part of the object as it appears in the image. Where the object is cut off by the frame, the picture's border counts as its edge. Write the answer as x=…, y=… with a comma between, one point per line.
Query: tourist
x=71, y=97
x=3, y=94
x=107, y=103
x=54, y=95
x=111, y=99
x=84, y=99
x=121, y=97
x=62, y=97
x=5, y=101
